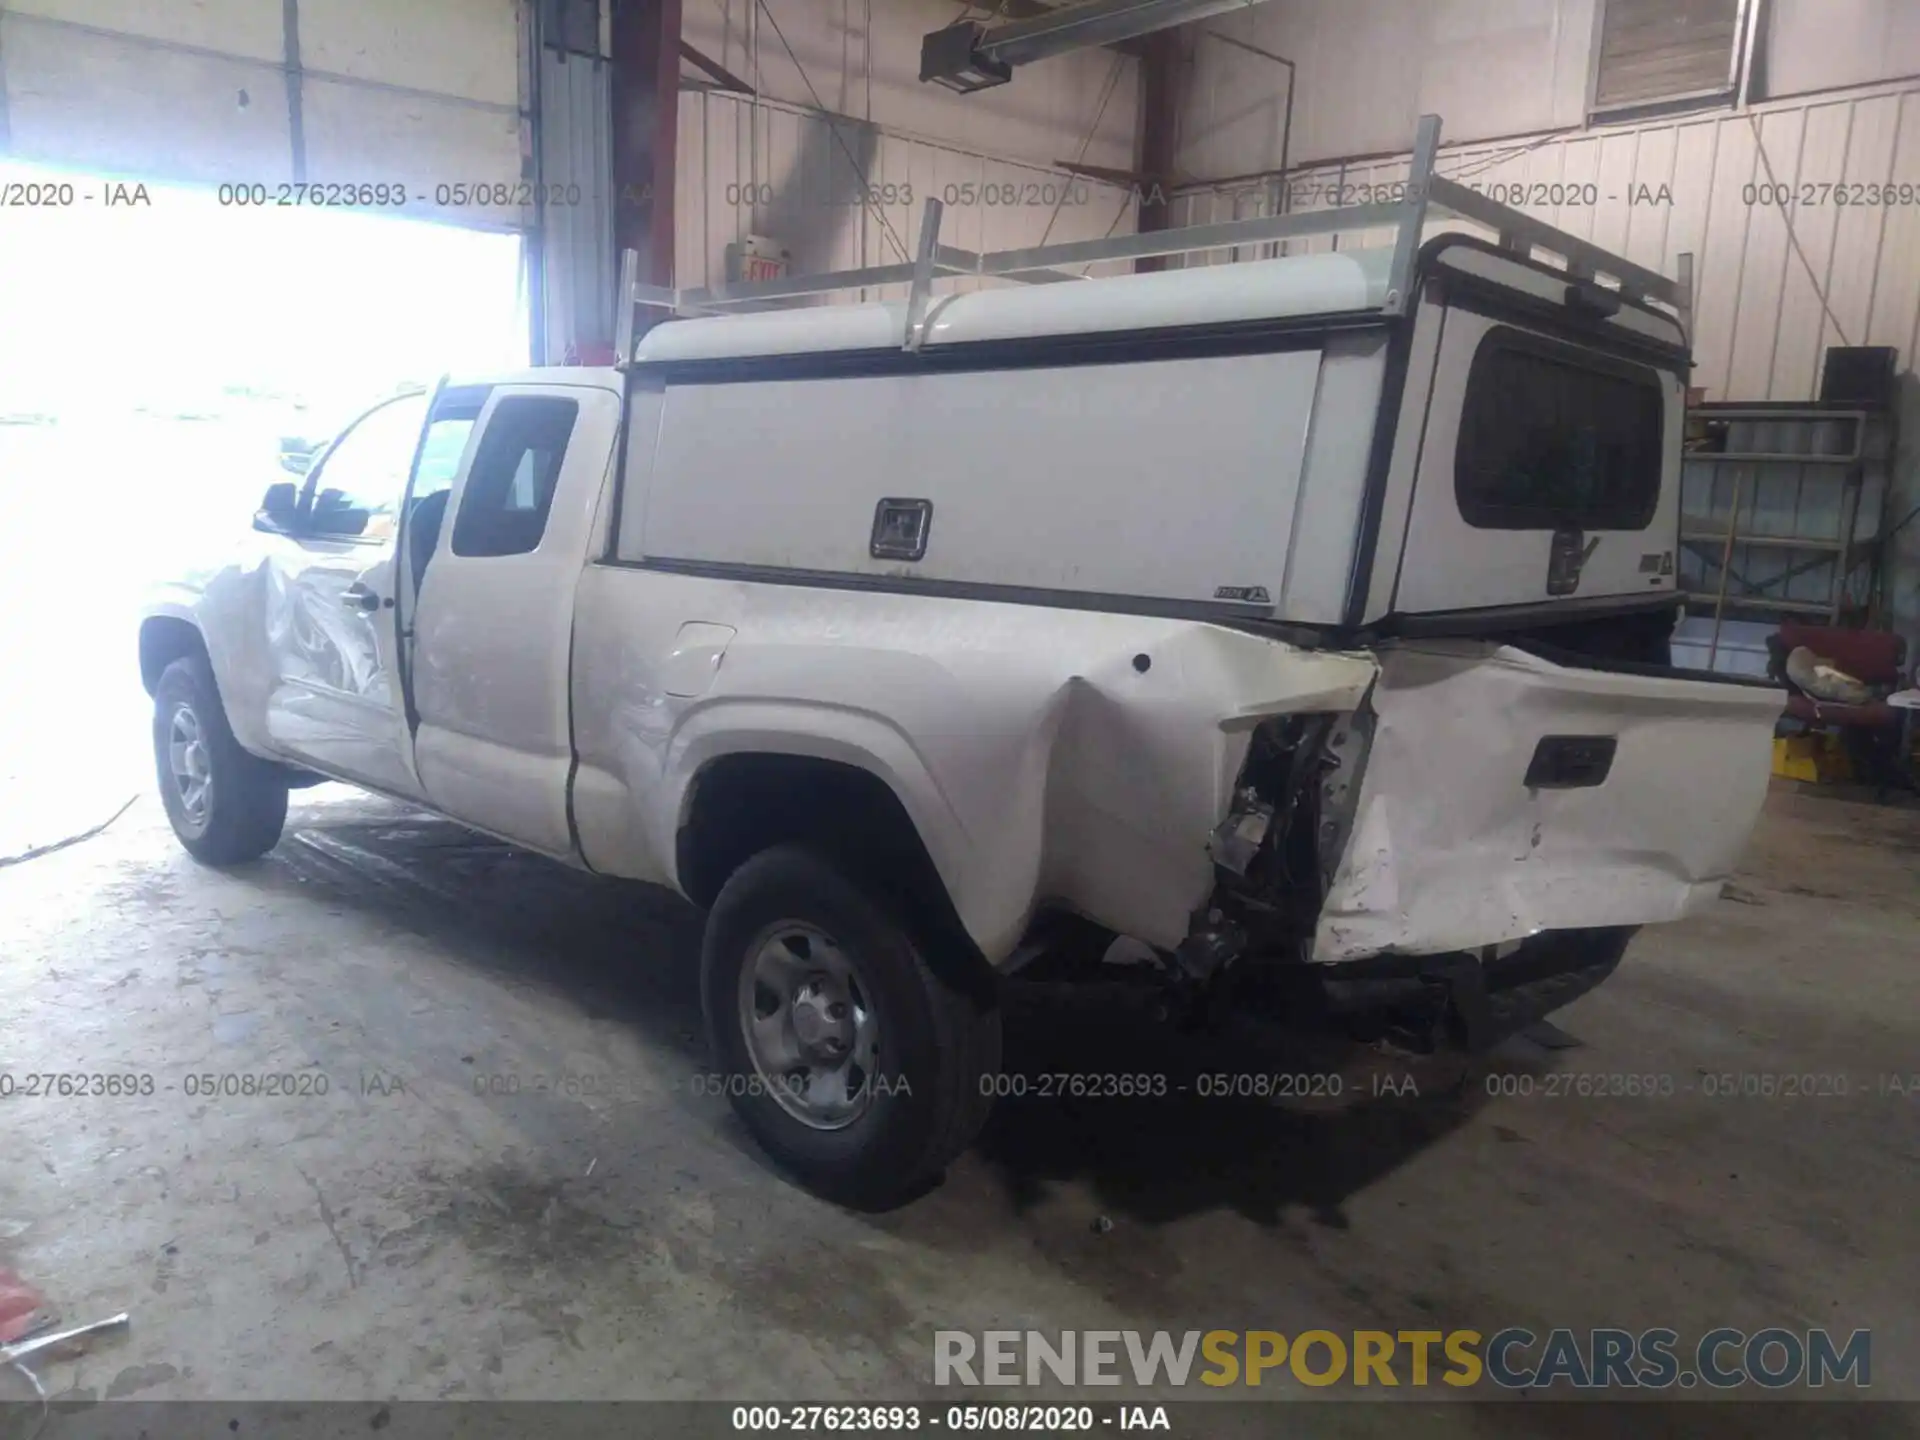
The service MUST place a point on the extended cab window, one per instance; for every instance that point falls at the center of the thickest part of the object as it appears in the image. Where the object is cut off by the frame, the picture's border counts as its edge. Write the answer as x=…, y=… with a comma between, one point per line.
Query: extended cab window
x=503, y=510
x=1552, y=436
x=454, y=414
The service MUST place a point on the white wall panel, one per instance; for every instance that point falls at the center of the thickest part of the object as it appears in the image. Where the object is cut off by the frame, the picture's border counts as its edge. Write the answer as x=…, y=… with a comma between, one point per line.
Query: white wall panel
x=1367, y=69
x=110, y=105
x=272, y=92
x=356, y=133
x=1892, y=319
x=769, y=170
x=467, y=49
x=1494, y=68
x=861, y=58
x=777, y=166
x=1825, y=44
x=245, y=28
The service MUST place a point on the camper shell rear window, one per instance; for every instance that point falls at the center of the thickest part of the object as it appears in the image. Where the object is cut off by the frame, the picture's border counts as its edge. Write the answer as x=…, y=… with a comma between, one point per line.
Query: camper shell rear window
x=1554, y=436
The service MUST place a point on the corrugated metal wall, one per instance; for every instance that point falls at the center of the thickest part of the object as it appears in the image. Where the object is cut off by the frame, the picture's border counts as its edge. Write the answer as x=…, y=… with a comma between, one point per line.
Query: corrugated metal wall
x=796, y=176
x=1775, y=286
x=426, y=95
x=1696, y=183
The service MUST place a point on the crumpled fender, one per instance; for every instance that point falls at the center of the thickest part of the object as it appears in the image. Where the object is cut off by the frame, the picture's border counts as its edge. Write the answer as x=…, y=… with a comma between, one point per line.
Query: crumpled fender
x=1142, y=764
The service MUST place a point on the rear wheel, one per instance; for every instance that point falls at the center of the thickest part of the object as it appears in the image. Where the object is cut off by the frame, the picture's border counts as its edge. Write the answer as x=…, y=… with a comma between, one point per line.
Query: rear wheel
x=852, y=1062
x=226, y=805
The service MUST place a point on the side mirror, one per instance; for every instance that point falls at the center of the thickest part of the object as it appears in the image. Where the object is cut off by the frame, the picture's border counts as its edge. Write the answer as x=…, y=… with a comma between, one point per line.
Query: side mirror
x=277, y=509
x=334, y=515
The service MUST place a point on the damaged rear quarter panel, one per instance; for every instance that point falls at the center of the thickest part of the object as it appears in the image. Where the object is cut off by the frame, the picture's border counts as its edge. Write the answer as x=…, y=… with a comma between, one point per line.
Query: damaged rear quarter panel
x=1039, y=758
x=1144, y=767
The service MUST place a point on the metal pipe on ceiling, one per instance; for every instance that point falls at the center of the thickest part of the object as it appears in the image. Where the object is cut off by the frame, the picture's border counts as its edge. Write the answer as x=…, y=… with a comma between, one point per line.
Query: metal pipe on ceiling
x=1097, y=22
x=968, y=56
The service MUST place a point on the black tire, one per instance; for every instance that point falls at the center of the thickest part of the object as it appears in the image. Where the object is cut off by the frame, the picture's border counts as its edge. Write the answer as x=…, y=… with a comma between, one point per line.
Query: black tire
x=244, y=807
x=939, y=1049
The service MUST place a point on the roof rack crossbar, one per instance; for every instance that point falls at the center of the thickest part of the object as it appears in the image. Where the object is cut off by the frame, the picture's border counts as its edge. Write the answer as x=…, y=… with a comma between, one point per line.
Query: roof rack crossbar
x=1522, y=233
x=1428, y=196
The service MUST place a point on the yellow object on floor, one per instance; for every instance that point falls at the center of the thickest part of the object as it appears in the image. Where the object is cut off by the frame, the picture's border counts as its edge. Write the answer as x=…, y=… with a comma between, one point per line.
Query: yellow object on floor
x=1819, y=758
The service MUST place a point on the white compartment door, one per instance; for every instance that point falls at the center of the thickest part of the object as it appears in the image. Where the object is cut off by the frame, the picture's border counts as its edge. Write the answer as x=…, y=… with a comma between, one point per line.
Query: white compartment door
x=1173, y=480
x=1549, y=473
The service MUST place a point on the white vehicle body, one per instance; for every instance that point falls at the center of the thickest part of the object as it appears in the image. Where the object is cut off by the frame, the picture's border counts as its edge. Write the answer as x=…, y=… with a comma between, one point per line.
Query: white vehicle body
x=1059, y=578
x=567, y=697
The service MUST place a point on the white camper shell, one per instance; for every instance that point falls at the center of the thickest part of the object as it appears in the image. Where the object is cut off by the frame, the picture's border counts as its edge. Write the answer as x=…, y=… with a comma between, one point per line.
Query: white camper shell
x=1339, y=439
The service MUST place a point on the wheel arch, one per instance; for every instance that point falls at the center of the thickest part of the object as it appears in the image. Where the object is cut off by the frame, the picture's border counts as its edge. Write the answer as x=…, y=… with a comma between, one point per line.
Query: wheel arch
x=165, y=639
x=740, y=802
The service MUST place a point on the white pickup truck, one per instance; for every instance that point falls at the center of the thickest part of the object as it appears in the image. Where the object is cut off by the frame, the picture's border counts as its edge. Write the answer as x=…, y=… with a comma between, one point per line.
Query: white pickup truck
x=1304, y=621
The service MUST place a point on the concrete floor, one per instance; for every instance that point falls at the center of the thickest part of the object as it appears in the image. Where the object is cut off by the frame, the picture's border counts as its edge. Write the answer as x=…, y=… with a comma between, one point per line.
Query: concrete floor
x=403, y=1236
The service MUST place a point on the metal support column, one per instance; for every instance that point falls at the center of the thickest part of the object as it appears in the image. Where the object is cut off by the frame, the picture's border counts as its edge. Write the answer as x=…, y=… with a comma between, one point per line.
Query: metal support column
x=1159, y=123
x=646, y=131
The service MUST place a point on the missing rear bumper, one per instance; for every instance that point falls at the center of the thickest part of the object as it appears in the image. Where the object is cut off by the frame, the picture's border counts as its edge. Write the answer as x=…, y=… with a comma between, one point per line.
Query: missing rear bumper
x=1468, y=1001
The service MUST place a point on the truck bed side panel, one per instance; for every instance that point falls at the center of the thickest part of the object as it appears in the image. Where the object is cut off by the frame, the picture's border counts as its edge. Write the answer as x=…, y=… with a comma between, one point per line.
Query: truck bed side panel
x=1043, y=754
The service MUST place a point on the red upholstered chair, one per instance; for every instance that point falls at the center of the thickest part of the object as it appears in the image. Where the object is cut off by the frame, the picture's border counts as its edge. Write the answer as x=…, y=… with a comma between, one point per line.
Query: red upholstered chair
x=1876, y=657
x=1876, y=733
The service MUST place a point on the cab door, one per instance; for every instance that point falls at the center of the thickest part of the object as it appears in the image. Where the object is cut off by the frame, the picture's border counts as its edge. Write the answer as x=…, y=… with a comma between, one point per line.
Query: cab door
x=329, y=608
x=490, y=627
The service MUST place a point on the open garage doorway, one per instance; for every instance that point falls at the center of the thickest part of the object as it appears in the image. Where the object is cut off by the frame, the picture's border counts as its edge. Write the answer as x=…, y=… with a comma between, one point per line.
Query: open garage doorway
x=161, y=350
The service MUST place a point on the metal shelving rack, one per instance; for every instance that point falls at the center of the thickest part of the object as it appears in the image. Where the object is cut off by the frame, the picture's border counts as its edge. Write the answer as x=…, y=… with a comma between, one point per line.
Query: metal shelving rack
x=1428, y=197
x=1785, y=518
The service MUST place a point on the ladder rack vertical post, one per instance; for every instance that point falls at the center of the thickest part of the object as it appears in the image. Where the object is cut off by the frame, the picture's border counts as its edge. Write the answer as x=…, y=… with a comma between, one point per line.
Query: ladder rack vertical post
x=1413, y=221
x=1726, y=572
x=623, y=320
x=1683, y=299
x=923, y=263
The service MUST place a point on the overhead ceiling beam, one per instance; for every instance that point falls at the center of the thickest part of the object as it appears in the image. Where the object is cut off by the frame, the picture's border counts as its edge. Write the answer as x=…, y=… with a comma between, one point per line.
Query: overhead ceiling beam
x=1106, y=174
x=968, y=56
x=1031, y=9
x=723, y=78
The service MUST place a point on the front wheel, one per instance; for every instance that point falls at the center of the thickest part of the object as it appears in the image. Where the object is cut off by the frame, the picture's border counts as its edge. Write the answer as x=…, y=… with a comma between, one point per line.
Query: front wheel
x=852, y=1062
x=226, y=805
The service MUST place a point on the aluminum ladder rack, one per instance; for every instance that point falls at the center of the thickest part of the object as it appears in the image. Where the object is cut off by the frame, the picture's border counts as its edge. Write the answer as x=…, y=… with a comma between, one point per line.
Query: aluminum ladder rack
x=1428, y=197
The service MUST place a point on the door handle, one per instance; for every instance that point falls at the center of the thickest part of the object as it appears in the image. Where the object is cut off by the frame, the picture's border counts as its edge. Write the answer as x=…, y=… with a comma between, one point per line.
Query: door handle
x=360, y=598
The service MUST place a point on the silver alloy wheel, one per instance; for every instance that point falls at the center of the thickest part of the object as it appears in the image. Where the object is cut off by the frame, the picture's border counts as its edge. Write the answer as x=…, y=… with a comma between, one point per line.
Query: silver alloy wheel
x=810, y=1026
x=192, y=767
